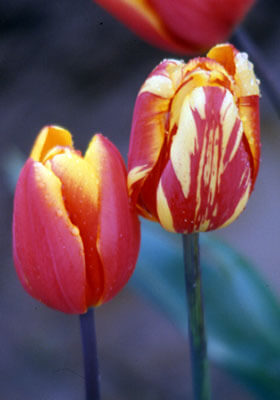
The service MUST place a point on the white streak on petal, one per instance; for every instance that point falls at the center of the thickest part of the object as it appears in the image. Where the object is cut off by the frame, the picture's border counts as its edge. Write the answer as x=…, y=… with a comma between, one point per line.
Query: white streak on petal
x=184, y=142
x=228, y=117
x=159, y=85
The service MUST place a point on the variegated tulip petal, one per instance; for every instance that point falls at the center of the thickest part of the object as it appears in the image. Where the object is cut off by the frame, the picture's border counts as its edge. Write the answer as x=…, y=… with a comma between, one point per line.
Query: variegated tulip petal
x=142, y=19
x=247, y=91
x=49, y=137
x=239, y=66
x=198, y=72
x=80, y=189
x=207, y=181
x=150, y=122
x=147, y=199
x=48, y=251
x=224, y=54
x=250, y=117
x=119, y=236
x=149, y=119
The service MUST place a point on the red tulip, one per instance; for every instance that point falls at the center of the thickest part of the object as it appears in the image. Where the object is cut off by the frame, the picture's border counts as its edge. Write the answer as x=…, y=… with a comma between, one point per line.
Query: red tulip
x=195, y=142
x=185, y=26
x=75, y=234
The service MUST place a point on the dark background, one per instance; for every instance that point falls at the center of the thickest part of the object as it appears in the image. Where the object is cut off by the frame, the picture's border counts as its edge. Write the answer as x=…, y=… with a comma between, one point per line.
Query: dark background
x=68, y=62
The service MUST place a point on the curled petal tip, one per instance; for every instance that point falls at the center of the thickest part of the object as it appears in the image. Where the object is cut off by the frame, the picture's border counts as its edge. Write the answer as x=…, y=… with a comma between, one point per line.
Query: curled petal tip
x=47, y=138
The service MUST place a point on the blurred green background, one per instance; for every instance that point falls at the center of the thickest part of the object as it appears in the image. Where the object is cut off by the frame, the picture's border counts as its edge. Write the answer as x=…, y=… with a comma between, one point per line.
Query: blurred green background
x=70, y=63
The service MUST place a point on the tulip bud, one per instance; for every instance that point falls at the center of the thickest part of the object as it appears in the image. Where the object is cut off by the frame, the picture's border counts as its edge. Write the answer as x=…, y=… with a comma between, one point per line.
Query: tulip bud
x=75, y=234
x=184, y=26
x=195, y=141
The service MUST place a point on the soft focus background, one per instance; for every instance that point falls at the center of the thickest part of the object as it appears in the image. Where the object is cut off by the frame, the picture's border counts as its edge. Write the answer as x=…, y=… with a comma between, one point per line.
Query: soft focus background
x=70, y=63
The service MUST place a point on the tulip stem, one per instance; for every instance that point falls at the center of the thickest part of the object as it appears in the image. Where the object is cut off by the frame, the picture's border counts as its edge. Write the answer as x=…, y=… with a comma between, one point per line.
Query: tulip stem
x=90, y=355
x=198, y=346
x=267, y=77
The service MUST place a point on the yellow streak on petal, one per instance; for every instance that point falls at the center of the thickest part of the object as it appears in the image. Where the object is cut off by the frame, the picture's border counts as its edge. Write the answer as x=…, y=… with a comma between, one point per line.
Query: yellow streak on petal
x=204, y=226
x=142, y=7
x=146, y=11
x=228, y=116
x=184, y=142
x=163, y=210
x=213, y=165
x=246, y=82
x=215, y=212
x=135, y=175
x=144, y=213
x=195, y=79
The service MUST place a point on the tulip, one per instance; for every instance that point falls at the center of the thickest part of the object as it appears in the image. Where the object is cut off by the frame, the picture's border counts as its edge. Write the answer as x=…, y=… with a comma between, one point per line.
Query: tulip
x=195, y=141
x=75, y=234
x=184, y=26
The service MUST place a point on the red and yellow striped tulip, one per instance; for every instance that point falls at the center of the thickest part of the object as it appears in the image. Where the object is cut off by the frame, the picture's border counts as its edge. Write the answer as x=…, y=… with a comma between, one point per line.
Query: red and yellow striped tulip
x=75, y=235
x=195, y=141
x=184, y=26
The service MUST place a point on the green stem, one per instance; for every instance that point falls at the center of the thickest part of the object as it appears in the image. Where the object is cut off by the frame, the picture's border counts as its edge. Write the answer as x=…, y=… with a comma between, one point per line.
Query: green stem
x=267, y=76
x=200, y=372
x=90, y=355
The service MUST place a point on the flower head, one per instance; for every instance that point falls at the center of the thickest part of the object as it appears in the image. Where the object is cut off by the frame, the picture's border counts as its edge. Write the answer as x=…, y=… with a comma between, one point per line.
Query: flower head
x=75, y=234
x=195, y=142
x=184, y=26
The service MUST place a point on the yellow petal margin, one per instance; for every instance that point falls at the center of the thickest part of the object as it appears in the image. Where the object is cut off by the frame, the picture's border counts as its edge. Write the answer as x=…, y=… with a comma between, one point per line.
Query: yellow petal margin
x=48, y=138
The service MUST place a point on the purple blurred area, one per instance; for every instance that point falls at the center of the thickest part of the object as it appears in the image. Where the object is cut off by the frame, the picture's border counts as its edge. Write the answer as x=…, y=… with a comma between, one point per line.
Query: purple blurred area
x=69, y=63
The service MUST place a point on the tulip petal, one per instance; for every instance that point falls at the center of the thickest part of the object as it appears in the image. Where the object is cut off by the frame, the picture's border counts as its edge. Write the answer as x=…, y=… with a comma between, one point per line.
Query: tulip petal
x=207, y=181
x=150, y=121
x=250, y=117
x=48, y=251
x=119, y=235
x=141, y=18
x=201, y=23
x=247, y=91
x=237, y=65
x=197, y=72
x=249, y=106
x=224, y=54
x=176, y=25
x=49, y=137
x=80, y=189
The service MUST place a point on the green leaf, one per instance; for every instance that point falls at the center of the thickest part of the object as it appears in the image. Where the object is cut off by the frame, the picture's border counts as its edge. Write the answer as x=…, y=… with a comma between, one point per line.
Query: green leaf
x=242, y=314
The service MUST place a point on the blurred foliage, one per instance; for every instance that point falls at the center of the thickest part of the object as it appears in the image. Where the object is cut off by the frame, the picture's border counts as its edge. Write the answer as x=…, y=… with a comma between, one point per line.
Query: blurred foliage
x=242, y=314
